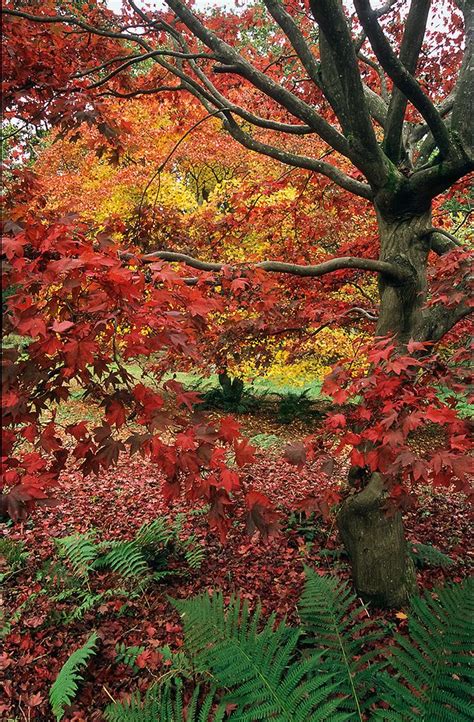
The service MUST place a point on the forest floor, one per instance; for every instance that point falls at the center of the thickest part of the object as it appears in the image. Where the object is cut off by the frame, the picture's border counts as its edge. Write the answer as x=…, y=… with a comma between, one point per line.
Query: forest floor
x=37, y=642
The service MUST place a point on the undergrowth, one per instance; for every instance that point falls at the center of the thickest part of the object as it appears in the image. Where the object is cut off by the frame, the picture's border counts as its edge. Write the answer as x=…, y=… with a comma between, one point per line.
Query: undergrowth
x=331, y=667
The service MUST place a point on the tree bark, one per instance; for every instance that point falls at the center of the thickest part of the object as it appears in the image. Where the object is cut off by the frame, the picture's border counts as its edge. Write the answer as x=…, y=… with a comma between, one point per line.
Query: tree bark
x=383, y=571
x=232, y=389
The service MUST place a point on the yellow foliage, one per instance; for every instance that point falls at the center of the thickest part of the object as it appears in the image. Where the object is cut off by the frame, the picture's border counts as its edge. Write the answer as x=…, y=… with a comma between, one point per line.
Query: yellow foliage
x=317, y=356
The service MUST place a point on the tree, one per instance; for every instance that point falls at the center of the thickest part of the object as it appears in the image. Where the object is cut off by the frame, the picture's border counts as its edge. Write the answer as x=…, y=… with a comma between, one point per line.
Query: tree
x=209, y=199
x=391, y=101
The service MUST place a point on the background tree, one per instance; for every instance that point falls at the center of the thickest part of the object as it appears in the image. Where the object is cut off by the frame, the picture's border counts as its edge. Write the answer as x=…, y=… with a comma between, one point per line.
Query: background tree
x=237, y=205
x=390, y=101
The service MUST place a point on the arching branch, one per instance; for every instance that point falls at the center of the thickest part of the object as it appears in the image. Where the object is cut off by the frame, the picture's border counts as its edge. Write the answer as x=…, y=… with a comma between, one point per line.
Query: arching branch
x=334, y=264
x=299, y=161
x=441, y=241
x=295, y=105
x=332, y=22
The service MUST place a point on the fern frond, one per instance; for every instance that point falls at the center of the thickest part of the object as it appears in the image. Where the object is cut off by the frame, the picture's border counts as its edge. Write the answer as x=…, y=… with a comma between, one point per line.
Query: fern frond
x=434, y=673
x=156, y=532
x=128, y=655
x=193, y=552
x=65, y=685
x=80, y=550
x=333, y=626
x=165, y=704
x=89, y=601
x=259, y=668
x=427, y=555
x=124, y=558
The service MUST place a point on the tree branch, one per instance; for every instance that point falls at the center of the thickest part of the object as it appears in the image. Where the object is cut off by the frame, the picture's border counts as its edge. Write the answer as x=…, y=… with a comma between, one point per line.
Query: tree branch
x=330, y=17
x=415, y=28
x=464, y=98
x=401, y=77
x=334, y=264
x=441, y=241
x=281, y=95
x=72, y=20
x=296, y=38
x=299, y=161
x=138, y=59
x=440, y=320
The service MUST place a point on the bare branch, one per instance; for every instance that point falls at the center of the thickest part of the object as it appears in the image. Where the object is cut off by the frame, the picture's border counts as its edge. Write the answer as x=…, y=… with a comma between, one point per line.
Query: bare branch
x=401, y=77
x=277, y=92
x=108, y=63
x=145, y=91
x=145, y=56
x=296, y=38
x=384, y=95
x=464, y=100
x=72, y=20
x=440, y=320
x=379, y=12
x=354, y=113
x=441, y=241
x=299, y=161
x=334, y=264
x=415, y=28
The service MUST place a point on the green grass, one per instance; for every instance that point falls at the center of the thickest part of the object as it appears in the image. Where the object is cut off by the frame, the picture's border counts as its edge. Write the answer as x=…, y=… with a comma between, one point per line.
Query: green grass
x=259, y=386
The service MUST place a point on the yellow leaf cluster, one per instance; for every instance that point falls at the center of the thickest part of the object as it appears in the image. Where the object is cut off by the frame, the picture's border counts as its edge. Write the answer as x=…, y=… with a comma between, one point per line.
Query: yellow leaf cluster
x=315, y=358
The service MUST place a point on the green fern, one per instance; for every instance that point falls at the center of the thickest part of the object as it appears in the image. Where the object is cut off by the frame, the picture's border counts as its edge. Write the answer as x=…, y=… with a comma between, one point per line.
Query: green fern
x=165, y=704
x=261, y=670
x=88, y=601
x=180, y=664
x=434, y=674
x=333, y=625
x=124, y=558
x=15, y=555
x=193, y=552
x=270, y=672
x=80, y=551
x=65, y=686
x=156, y=532
x=128, y=655
x=427, y=555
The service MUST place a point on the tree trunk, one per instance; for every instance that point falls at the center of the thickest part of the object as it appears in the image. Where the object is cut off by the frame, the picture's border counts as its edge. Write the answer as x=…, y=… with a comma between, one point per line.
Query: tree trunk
x=383, y=571
x=232, y=389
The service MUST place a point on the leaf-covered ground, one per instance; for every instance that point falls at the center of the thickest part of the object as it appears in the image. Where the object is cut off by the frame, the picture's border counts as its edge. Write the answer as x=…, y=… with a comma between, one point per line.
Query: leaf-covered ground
x=116, y=505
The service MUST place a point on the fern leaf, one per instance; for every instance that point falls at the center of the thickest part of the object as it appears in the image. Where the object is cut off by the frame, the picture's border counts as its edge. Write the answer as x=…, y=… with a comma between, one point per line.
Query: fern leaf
x=89, y=601
x=156, y=532
x=193, y=552
x=434, y=673
x=325, y=611
x=165, y=703
x=427, y=555
x=126, y=559
x=65, y=685
x=128, y=655
x=260, y=669
x=80, y=551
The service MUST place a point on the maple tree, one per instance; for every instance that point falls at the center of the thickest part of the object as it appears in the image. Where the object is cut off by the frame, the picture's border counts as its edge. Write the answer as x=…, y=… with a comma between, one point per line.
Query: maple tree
x=389, y=102
x=207, y=198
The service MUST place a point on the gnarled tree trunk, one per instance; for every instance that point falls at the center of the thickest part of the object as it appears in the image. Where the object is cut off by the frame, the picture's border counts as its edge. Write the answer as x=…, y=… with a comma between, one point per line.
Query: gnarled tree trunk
x=383, y=571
